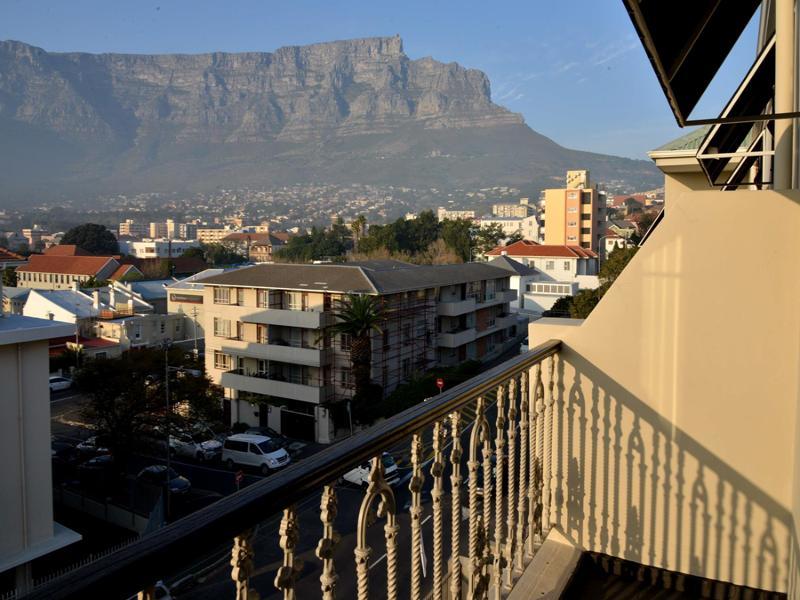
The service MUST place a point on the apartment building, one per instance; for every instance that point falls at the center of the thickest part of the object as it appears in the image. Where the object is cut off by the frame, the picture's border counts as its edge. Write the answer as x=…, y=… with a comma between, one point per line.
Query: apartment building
x=212, y=234
x=575, y=215
x=528, y=227
x=133, y=229
x=157, y=248
x=187, y=297
x=515, y=211
x=62, y=267
x=256, y=245
x=443, y=213
x=266, y=342
x=27, y=521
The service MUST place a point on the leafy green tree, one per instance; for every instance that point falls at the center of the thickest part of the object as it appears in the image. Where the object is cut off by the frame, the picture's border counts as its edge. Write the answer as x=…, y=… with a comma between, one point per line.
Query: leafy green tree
x=489, y=237
x=220, y=255
x=195, y=252
x=617, y=260
x=358, y=227
x=561, y=308
x=584, y=302
x=92, y=282
x=93, y=238
x=359, y=316
x=10, y=277
x=457, y=234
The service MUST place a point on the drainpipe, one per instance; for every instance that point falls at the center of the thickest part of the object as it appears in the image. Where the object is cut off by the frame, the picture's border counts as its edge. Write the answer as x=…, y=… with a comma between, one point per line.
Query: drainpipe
x=784, y=93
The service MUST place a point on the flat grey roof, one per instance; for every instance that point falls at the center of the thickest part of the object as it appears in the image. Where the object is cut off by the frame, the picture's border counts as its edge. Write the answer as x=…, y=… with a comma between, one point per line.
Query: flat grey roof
x=18, y=329
x=369, y=277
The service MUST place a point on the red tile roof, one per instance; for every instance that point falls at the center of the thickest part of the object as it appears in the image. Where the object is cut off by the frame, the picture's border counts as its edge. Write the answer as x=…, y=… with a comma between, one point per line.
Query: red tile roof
x=68, y=265
x=245, y=237
x=66, y=250
x=124, y=270
x=529, y=248
x=6, y=254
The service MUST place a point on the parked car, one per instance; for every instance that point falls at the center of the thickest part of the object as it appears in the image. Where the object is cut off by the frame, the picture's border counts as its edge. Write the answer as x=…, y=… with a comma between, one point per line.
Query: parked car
x=184, y=444
x=64, y=452
x=269, y=432
x=60, y=383
x=256, y=451
x=157, y=475
x=360, y=475
x=91, y=446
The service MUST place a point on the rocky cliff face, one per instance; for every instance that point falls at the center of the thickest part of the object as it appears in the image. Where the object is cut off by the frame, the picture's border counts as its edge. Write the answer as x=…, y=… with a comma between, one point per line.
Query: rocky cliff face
x=296, y=93
x=355, y=111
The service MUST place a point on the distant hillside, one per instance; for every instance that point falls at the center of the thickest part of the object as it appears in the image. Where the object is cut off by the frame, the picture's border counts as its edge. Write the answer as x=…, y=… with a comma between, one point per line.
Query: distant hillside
x=349, y=111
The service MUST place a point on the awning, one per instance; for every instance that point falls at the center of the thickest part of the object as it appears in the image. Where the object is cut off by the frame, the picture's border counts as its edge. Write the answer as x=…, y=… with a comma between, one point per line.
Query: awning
x=687, y=41
x=726, y=141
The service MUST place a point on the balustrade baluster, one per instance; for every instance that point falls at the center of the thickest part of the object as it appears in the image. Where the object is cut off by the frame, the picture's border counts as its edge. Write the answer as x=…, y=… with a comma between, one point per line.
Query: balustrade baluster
x=499, y=444
x=377, y=488
x=148, y=593
x=289, y=535
x=455, y=506
x=533, y=452
x=522, y=507
x=511, y=433
x=328, y=509
x=547, y=470
x=242, y=566
x=437, y=472
x=415, y=486
x=480, y=436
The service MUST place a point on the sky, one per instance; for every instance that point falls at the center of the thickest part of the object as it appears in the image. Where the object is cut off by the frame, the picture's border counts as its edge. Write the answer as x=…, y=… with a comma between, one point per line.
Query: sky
x=574, y=69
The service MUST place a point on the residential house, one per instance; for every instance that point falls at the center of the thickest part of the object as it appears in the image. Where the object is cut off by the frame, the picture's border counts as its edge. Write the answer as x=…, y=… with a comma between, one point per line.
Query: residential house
x=11, y=259
x=256, y=246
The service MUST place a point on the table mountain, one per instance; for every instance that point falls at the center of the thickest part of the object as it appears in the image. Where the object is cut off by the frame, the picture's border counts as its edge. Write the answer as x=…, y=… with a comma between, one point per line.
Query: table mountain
x=339, y=112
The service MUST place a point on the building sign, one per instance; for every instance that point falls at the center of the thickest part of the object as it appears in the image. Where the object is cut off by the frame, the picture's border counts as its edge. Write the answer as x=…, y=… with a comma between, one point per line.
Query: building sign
x=189, y=298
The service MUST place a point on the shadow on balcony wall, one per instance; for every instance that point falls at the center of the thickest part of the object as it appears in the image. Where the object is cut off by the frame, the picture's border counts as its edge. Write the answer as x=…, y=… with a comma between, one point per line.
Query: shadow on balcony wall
x=630, y=484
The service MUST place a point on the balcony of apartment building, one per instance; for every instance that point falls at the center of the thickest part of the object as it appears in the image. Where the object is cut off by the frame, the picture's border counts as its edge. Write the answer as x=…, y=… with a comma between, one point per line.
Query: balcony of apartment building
x=291, y=309
x=456, y=331
x=292, y=345
x=284, y=380
x=655, y=442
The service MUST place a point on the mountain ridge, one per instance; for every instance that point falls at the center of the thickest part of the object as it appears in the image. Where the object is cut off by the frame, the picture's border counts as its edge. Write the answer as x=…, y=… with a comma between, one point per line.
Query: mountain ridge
x=92, y=123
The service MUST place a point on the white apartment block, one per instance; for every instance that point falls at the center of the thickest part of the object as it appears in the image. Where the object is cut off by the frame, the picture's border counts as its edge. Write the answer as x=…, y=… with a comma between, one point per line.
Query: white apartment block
x=266, y=342
x=157, y=248
x=443, y=213
x=528, y=227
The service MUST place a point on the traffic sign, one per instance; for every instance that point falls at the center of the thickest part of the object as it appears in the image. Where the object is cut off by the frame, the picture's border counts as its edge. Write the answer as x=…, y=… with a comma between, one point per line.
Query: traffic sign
x=439, y=383
x=239, y=477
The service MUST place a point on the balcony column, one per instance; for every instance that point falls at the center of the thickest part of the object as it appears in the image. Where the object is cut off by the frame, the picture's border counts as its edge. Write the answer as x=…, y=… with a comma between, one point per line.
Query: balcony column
x=784, y=93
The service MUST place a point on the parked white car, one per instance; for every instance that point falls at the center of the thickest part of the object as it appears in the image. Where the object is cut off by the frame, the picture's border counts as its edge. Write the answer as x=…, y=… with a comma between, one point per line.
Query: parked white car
x=360, y=475
x=60, y=383
x=184, y=444
x=257, y=451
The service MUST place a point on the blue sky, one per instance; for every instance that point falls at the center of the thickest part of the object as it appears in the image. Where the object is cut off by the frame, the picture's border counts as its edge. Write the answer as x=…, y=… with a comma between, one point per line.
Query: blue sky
x=574, y=68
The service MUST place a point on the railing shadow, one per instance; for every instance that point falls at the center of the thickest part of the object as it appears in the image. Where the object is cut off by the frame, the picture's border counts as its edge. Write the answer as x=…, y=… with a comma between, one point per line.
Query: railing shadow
x=631, y=484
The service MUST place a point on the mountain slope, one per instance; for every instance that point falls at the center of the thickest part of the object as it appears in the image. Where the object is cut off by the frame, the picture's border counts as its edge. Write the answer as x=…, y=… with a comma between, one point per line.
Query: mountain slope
x=339, y=112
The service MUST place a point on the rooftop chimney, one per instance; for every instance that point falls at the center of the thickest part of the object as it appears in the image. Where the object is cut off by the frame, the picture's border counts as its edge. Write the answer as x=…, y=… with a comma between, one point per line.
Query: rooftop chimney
x=96, y=298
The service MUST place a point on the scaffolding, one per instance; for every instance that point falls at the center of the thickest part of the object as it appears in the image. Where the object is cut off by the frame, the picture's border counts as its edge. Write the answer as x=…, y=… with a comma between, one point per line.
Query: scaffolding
x=407, y=343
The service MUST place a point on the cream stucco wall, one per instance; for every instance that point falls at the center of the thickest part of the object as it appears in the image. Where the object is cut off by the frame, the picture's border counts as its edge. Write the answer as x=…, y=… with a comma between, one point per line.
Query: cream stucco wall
x=679, y=394
x=26, y=497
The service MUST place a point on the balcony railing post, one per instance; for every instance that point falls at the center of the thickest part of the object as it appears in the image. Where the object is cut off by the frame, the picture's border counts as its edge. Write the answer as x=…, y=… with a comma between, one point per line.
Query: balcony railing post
x=522, y=507
x=328, y=510
x=480, y=436
x=377, y=489
x=415, y=487
x=437, y=472
x=242, y=563
x=455, y=507
x=511, y=432
x=547, y=470
x=535, y=452
x=289, y=536
x=149, y=593
x=499, y=444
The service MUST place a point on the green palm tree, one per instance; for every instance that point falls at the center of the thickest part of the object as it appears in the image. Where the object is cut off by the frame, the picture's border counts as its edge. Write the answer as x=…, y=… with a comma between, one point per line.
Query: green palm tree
x=359, y=316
